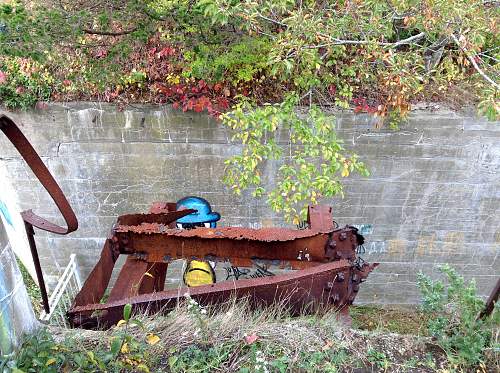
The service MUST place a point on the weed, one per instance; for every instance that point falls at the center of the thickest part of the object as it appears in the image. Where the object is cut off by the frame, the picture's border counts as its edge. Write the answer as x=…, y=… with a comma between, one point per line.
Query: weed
x=378, y=358
x=455, y=324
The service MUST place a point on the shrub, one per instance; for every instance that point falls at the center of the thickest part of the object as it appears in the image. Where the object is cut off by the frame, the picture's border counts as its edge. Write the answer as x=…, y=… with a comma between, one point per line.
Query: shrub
x=455, y=325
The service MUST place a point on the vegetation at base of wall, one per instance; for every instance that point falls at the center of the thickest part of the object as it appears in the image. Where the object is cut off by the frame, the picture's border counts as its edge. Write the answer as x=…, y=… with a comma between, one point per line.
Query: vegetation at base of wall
x=455, y=323
x=232, y=338
x=215, y=56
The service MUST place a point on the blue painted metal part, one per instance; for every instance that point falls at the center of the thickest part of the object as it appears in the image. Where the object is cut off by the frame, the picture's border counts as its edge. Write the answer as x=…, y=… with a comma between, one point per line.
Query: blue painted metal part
x=203, y=214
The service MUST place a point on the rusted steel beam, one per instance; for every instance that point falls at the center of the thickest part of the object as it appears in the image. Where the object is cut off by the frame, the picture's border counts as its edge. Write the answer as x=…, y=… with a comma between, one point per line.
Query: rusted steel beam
x=300, y=291
x=292, y=248
x=129, y=280
x=97, y=282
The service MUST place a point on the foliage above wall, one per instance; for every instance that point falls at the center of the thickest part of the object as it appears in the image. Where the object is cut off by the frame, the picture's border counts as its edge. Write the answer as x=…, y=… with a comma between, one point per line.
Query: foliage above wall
x=375, y=56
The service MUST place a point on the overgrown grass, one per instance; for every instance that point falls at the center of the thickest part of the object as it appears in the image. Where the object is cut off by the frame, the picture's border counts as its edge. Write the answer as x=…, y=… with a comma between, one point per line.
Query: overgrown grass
x=390, y=320
x=229, y=338
x=233, y=338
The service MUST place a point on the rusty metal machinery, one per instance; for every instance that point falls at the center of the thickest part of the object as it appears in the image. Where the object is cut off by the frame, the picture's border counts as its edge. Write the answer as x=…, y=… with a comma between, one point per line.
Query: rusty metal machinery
x=327, y=273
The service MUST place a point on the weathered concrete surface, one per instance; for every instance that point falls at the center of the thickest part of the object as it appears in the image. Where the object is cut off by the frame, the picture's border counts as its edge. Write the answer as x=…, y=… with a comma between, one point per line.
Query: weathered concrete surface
x=433, y=195
x=16, y=313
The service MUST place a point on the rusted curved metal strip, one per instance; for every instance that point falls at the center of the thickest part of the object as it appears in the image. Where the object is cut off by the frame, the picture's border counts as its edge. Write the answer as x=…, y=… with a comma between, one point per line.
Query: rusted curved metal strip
x=23, y=146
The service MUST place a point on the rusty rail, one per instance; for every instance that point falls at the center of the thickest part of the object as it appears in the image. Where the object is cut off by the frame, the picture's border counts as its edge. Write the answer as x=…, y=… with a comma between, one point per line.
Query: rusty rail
x=23, y=146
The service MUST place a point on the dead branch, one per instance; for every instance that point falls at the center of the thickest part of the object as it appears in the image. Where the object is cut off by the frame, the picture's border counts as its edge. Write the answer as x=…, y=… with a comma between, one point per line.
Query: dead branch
x=474, y=63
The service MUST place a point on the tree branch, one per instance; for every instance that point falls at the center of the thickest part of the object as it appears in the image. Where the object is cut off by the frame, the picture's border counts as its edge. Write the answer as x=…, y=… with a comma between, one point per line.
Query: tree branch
x=109, y=33
x=474, y=63
x=409, y=40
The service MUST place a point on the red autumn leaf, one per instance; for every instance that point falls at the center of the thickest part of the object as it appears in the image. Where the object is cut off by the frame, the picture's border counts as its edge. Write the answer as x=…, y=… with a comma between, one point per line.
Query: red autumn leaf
x=249, y=339
x=223, y=103
x=20, y=90
x=165, y=90
x=202, y=84
x=332, y=89
x=101, y=52
x=217, y=87
x=175, y=105
x=66, y=82
x=179, y=91
x=194, y=90
x=198, y=107
x=3, y=77
x=167, y=51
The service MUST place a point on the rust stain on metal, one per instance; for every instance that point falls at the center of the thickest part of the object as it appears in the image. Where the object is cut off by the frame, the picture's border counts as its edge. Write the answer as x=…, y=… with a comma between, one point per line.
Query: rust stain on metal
x=328, y=271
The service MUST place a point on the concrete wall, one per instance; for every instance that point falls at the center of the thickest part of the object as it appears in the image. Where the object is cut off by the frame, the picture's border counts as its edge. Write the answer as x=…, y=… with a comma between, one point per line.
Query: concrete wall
x=16, y=313
x=433, y=195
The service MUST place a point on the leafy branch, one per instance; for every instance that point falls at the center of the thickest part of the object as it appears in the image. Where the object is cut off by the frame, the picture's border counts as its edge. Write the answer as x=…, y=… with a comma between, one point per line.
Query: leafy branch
x=313, y=167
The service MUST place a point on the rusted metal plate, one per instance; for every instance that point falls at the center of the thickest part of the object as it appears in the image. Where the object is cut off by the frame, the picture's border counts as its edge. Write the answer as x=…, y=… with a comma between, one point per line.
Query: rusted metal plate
x=300, y=291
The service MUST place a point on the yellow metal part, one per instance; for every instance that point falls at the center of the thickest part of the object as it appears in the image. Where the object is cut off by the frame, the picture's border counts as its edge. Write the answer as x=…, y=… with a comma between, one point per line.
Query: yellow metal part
x=199, y=273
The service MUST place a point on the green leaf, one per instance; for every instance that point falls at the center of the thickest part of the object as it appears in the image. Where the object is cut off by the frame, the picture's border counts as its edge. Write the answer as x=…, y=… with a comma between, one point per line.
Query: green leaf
x=127, y=311
x=116, y=344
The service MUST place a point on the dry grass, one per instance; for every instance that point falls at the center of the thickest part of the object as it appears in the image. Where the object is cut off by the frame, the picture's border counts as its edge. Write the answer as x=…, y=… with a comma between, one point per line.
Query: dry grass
x=278, y=336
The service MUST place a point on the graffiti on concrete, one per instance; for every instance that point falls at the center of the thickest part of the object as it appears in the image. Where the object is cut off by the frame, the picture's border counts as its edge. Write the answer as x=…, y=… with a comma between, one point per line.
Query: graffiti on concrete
x=5, y=213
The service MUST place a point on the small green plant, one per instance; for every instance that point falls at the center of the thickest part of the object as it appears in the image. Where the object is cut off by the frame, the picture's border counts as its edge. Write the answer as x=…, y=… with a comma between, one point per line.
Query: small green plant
x=378, y=358
x=454, y=323
x=40, y=352
x=199, y=359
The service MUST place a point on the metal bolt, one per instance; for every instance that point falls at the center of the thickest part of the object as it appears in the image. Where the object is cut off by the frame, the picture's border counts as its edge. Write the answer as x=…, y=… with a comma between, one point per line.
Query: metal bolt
x=340, y=277
x=343, y=236
x=329, y=286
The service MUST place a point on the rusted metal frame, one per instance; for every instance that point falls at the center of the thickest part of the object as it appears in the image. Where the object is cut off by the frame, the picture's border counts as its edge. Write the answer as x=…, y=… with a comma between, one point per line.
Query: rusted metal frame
x=97, y=282
x=295, y=254
x=490, y=303
x=26, y=150
x=151, y=244
x=298, y=290
x=129, y=280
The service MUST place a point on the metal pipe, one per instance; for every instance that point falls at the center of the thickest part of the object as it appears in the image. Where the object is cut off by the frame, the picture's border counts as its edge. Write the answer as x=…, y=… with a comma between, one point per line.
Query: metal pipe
x=36, y=261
